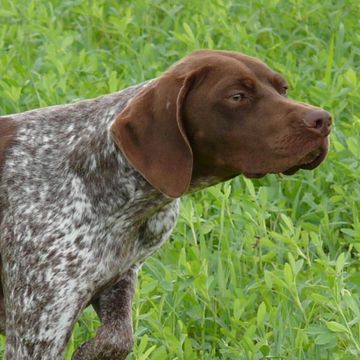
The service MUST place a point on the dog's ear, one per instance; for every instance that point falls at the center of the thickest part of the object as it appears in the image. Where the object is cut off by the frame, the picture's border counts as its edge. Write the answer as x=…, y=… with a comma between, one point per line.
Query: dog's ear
x=150, y=132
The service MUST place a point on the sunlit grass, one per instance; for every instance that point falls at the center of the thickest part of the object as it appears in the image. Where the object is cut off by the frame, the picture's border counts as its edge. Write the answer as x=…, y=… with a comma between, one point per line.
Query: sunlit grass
x=255, y=269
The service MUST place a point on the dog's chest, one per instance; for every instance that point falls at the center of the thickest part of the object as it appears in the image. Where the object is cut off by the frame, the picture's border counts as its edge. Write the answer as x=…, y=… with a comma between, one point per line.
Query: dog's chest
x=75, y=205
x=79, y=238
x=133, y=232
x=126, y=238
x=156, y=229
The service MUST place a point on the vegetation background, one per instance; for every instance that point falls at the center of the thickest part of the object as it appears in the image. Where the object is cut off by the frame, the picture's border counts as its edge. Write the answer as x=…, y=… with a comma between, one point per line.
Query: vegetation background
x=264, y=269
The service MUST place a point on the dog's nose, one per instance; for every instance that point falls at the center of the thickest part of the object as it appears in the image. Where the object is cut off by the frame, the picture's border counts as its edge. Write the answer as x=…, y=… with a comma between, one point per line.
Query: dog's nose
x=318, y=121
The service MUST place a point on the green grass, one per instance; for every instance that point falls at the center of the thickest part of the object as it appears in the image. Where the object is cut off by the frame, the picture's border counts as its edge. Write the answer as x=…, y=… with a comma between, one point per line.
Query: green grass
x=265, y=269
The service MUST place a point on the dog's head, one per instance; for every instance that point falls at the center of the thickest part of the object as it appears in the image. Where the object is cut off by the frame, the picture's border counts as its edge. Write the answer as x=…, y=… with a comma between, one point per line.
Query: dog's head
x=218, y=114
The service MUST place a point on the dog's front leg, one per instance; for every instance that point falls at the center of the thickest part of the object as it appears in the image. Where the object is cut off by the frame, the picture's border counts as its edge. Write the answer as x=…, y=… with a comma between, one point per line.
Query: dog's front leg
x=114, y=338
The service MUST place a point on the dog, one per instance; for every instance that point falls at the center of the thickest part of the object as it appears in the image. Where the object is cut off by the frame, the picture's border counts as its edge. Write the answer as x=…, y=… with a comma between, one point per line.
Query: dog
x=89, y=190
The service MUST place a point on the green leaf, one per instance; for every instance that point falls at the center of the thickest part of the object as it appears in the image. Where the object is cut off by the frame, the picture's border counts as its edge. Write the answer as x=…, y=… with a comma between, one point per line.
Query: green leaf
x=340, y=263
x=146, y=354
x=329, y=63
x=261, y=315
x=265, y=350
x=325, y=338
x=288, y=222
x=288, y=275
x=268, y=279
x=336, y=327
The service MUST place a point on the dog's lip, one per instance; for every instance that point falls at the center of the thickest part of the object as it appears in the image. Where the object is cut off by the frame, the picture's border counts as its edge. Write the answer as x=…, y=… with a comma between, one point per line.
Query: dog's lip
x=309, y=162
x=254, y=175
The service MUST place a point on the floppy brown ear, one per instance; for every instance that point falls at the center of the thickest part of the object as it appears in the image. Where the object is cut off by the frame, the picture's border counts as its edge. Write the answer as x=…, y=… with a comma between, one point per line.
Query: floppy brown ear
x=150, y=132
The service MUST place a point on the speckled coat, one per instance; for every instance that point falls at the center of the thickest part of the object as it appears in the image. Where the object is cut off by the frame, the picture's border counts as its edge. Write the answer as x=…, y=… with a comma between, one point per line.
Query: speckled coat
x=78, y=213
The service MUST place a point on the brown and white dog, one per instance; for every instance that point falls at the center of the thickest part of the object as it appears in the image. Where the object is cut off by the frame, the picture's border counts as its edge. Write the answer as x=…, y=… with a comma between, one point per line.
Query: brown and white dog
x=88, y=190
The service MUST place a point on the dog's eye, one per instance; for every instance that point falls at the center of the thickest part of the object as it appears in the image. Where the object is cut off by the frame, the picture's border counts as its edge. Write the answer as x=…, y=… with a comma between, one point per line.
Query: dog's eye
x=238, y=97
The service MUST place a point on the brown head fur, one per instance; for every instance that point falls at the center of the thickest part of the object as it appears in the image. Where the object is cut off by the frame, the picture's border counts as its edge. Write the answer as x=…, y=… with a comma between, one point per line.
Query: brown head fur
x=218, y=114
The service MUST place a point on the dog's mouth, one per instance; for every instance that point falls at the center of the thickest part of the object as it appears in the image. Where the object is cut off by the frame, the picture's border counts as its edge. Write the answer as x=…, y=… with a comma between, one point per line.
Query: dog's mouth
x=308, y=162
